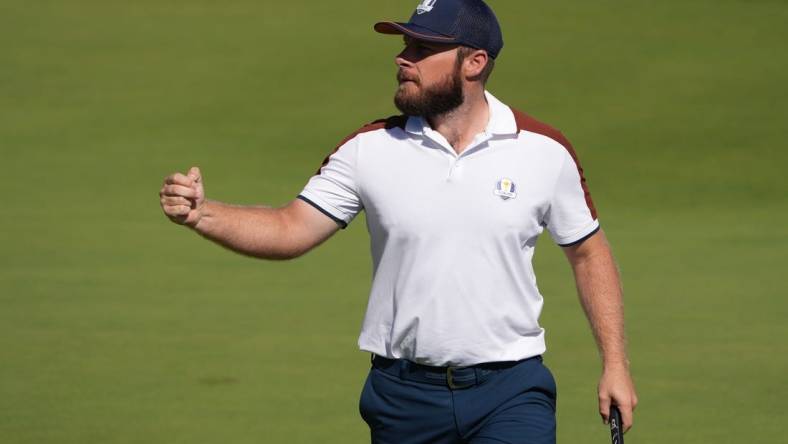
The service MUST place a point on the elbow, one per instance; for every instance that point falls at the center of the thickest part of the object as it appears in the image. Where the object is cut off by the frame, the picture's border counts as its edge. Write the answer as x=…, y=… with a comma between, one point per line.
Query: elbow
x=281, y=254
x=291, y=246
x=284, y=254
x=289, y=236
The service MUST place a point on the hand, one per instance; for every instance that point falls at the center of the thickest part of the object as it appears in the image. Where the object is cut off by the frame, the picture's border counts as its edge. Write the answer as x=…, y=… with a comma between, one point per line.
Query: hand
x=182, y=197
x=616, y=387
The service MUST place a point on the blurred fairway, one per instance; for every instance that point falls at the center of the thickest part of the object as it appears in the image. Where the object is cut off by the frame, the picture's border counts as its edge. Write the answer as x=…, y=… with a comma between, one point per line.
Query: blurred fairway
x=118, y=327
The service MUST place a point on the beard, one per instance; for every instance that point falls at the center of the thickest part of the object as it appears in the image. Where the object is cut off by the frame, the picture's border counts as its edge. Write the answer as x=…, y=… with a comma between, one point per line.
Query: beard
x=438, y=99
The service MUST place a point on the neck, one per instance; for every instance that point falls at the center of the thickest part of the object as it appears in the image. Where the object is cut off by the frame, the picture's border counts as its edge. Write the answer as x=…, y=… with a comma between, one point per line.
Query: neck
x=461, y=125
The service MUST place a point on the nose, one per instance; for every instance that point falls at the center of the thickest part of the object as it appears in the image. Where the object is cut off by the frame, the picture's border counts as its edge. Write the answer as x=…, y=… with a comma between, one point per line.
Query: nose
x=401, y=62
x=405, y=58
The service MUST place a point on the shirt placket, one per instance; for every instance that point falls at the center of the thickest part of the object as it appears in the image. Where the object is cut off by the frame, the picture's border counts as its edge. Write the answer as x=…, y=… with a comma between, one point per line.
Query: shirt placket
x=456, y=161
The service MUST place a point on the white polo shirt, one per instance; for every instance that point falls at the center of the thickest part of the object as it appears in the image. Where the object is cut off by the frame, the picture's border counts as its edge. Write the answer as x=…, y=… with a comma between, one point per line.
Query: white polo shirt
x=452, y=236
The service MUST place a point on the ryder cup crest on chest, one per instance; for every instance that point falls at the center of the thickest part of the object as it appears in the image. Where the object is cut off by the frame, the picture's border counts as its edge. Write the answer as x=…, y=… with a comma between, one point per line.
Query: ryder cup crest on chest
x=425, y=6
x=505, y=188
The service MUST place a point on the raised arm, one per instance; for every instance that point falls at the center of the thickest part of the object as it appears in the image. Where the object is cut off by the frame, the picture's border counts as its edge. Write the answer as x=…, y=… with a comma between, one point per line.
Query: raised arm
x=599, y=288
x=258, y=231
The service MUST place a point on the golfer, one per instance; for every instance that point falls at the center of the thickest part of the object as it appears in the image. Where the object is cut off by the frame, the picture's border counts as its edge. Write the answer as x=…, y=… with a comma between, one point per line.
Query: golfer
x=456, y=191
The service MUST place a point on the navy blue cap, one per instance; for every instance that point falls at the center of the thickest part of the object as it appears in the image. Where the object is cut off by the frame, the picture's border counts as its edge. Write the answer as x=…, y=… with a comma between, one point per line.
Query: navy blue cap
x=465, y=22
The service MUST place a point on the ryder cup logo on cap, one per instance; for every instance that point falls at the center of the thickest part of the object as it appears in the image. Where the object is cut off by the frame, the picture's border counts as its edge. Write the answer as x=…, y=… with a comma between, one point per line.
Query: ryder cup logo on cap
x=425, y=6
x=506, y=189
x=462, y=22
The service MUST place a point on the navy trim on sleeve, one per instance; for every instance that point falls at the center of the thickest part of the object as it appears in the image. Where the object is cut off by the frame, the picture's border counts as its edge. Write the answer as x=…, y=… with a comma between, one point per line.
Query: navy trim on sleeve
x=339, y=222
x=582, y=239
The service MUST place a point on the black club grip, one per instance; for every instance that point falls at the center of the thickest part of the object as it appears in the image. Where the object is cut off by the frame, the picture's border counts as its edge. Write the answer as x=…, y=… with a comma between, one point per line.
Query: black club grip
x=616, y=432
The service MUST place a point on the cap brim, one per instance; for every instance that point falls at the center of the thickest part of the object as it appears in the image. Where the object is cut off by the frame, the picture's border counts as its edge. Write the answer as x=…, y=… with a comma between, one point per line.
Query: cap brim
x=415, y=31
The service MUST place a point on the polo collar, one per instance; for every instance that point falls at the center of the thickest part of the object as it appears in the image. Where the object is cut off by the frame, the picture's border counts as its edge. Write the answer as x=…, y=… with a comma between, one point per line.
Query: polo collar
x=501, y=121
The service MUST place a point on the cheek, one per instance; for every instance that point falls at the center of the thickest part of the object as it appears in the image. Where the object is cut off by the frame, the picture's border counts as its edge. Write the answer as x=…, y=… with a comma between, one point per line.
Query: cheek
x=437, y=70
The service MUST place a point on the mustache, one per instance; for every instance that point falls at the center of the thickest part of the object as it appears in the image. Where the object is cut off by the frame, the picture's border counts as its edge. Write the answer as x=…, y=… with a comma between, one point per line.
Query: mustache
x=402, y=77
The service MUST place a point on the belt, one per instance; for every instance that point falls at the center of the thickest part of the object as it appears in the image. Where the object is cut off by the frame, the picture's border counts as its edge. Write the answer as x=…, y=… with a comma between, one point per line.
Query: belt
x=449, y=376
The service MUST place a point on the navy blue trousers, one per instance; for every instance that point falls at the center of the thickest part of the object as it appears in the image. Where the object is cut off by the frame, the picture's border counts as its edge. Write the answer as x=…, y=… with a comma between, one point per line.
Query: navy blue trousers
x=514, y=405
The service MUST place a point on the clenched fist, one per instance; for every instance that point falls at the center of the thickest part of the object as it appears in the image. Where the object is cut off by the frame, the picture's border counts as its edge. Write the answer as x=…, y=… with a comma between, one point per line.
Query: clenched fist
x=182, y=197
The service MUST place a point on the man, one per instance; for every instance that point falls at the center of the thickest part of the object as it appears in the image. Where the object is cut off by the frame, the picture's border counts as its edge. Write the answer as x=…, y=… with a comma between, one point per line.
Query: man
x=456, y=191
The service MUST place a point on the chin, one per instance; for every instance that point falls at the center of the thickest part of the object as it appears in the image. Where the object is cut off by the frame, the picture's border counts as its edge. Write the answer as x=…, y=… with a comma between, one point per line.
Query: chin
x=407, y=86
x=404, y=95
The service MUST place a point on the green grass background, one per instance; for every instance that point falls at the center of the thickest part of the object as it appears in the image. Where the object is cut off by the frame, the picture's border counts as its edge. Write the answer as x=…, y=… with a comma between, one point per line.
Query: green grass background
x=118, y=327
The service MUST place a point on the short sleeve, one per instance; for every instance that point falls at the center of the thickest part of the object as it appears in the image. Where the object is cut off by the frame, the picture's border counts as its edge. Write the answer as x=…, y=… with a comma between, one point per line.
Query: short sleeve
x=571, y=217
x=333, y=190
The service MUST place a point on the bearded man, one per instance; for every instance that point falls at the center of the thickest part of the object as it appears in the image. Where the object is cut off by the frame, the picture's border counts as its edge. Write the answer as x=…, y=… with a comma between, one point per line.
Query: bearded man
x=456, y=191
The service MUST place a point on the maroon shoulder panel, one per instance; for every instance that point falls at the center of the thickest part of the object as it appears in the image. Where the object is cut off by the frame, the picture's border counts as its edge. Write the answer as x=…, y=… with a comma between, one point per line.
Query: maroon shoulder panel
x=388, y=123
x=528, y=123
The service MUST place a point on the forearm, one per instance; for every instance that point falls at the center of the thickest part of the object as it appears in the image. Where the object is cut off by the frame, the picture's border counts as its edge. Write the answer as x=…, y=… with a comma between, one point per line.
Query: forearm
x=256, y=231
x=599, y=288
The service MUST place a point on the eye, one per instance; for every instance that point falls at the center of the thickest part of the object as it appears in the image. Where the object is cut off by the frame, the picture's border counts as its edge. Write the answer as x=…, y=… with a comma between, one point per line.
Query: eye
x=424, y=49
x=418, y=46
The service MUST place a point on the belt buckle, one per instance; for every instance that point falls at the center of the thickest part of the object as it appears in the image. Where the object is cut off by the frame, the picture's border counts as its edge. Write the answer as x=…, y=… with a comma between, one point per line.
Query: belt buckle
x=450, y=378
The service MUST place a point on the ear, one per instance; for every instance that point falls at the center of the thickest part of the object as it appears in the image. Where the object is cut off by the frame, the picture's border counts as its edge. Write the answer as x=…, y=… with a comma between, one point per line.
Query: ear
x=474, y=64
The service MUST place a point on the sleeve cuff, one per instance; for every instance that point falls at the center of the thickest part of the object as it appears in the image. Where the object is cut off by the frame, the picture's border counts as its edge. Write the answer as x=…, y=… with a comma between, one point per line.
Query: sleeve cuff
x=579, y=236
x=324, y=209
